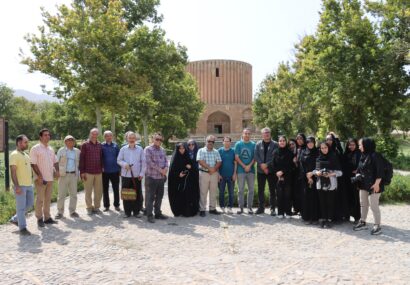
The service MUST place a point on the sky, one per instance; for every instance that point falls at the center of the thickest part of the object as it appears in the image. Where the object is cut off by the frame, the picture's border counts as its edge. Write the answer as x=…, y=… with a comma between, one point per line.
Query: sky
x=260, y=32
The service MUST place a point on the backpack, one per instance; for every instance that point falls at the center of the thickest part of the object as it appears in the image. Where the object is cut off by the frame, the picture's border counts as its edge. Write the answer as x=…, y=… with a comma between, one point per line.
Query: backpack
x=387, y=170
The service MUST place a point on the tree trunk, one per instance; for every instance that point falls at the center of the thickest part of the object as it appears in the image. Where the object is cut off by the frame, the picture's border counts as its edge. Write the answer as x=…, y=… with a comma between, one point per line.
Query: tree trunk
x=145, y=127
x=98, y=117
x=113, y=125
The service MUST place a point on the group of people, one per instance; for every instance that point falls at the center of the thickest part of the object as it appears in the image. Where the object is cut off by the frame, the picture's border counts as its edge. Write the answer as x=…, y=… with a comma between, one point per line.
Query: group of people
x=303, y=178
x=320, y=182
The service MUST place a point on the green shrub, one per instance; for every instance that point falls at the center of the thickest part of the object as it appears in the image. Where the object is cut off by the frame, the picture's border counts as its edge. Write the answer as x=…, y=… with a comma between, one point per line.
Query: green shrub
x=401, y=162
x=388, y=146
x=398, y=190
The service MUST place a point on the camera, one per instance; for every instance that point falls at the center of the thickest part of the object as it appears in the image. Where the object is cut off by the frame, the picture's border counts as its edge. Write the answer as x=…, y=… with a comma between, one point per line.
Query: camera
x=324, y=172
x=357, y=178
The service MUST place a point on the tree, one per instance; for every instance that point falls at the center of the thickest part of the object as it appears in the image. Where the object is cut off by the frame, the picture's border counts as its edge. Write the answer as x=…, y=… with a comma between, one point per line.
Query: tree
x=84, y=49
x=6, y=100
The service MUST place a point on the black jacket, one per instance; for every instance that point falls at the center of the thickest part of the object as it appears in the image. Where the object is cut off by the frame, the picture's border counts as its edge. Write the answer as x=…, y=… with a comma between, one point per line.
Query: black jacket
x=371, y=167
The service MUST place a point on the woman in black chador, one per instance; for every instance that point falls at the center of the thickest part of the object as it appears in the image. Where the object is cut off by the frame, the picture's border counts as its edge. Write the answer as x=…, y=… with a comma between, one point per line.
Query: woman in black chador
x=183, y=188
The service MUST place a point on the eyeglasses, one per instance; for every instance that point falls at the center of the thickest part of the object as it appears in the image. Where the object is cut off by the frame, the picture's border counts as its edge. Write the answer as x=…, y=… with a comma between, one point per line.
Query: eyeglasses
x=210, y=141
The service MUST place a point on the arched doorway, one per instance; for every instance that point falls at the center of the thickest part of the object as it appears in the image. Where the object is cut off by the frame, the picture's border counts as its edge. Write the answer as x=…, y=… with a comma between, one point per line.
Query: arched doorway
x=218, y=123
x=247, y=119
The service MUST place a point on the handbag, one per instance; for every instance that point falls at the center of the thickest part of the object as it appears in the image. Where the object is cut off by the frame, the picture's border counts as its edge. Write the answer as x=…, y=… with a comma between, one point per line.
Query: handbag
x=129, y=194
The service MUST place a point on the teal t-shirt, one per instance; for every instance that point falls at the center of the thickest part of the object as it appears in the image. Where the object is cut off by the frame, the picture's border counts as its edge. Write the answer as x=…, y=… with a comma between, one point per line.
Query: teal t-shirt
x=246, y=152
x=228, y=162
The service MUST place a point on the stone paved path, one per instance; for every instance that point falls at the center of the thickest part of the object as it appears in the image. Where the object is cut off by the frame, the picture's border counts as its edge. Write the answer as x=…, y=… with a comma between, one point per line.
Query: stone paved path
x=108, y=249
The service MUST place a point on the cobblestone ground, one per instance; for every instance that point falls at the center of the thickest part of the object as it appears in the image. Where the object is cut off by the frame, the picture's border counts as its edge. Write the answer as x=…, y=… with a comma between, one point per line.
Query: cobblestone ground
x=228, y=249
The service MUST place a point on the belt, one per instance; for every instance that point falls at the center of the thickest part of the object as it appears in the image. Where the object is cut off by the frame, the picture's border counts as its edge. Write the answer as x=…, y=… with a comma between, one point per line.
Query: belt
x=203, y=170
x=70, y=172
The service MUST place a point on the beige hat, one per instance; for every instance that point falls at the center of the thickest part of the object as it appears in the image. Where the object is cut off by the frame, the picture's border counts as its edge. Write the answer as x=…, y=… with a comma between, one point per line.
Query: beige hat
x=69, y=137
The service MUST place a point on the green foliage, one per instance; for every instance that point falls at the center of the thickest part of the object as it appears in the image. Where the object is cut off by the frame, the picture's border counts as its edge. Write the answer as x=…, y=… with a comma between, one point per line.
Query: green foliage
x=347, y=77
x=388, y=146
x=401, y=162
x=398, y=190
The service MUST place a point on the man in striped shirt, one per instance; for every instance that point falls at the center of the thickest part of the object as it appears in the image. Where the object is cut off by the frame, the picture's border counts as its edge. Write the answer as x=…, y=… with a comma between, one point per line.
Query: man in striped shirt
x=43, y=161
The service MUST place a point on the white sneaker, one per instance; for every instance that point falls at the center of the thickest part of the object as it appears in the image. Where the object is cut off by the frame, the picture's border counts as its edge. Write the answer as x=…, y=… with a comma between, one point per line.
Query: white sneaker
x=223, y=210
x=230, y=212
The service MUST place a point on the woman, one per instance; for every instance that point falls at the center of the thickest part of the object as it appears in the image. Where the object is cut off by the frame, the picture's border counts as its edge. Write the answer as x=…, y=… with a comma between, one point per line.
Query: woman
x=308, y=159
x=295, y=170
x=327, y=170
x=297, y=195
x=181, y=185
x=282, y=164
x=342, y=207
x=351, y=159
x=192, y=149
x=370, y=173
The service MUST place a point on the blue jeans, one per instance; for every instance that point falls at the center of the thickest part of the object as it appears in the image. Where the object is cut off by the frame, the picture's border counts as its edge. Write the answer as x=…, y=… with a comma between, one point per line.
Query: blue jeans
x=24, y=202
x=222, y=185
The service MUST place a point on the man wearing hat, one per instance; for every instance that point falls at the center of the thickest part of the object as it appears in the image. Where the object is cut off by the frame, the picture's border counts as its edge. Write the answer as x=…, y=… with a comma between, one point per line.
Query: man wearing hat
x=68, y=159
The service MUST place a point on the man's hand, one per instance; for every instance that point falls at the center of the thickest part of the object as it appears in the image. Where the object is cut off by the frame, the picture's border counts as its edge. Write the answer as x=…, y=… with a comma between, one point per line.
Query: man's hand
x=39, y=180
x=247, y=168
x=234, y=177
x=83, y=177
x=263, y=166
x=18, y=190
x=211, y=170
x=266, y=171
x=219, y=178
x=127, y=166
x=164, y=171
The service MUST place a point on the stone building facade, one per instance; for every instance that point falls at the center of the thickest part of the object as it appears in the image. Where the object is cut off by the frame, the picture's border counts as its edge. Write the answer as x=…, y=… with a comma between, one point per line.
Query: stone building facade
x=225, y=87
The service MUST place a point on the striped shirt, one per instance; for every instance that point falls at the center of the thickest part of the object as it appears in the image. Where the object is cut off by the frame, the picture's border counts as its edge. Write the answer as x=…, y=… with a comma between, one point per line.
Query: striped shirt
x=45, y=158
x=156, y=159
x=211, y=157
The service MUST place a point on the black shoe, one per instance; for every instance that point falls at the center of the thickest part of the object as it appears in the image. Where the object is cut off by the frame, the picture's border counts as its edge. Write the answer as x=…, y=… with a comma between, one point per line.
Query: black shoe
x=327, y=225
x=250, y=211
x=50, y=221
x=137, y=215
x=118, y=209
x=25, y=232
x=376, y=230
x=74, y=215
x=322, y=224
x=97, y=211
x=161, y=217
x=59, y=216
x=40, y=223
x=214, y=212
x=360, y=226
x=202, y=213
x=14, y=222
x=106, y=209
x=151, y=219
x=307, y=222
x=240, y=211
x=144, y=212
x=260, y=211
x=126, y=216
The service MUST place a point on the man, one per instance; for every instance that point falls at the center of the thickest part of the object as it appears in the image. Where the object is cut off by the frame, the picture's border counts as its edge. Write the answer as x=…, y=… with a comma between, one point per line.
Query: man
x=227, y=174
x=91, y=164
x=263, y=156
x=155, y=177
x=21, y=177
x=244, y=155
x=111, y=171
x=44, y=161
x=209, y=162
x=68, y=160
x=132, y=159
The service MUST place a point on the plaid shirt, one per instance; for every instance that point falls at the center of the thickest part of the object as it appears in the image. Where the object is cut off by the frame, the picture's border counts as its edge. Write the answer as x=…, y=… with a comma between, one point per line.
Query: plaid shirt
x=91, y=158
x=156, y=159
x=211, y=157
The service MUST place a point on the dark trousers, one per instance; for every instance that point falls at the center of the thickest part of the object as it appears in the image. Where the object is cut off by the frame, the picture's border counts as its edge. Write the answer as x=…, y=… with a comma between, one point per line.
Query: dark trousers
x=262, y=177
x=284, y=198
x=327, y=204
x=297, y=194
x=354, y=200
x=115, y=182
x=311, y=203
x=154, y=192
x=132, y=206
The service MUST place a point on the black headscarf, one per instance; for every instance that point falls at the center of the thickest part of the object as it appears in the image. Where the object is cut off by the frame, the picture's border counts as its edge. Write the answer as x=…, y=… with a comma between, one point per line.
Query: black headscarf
x=369, y=146
x=336, y=145
x=302, y=135
x=309, y=155
x=178, y=160
x=329, y=160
